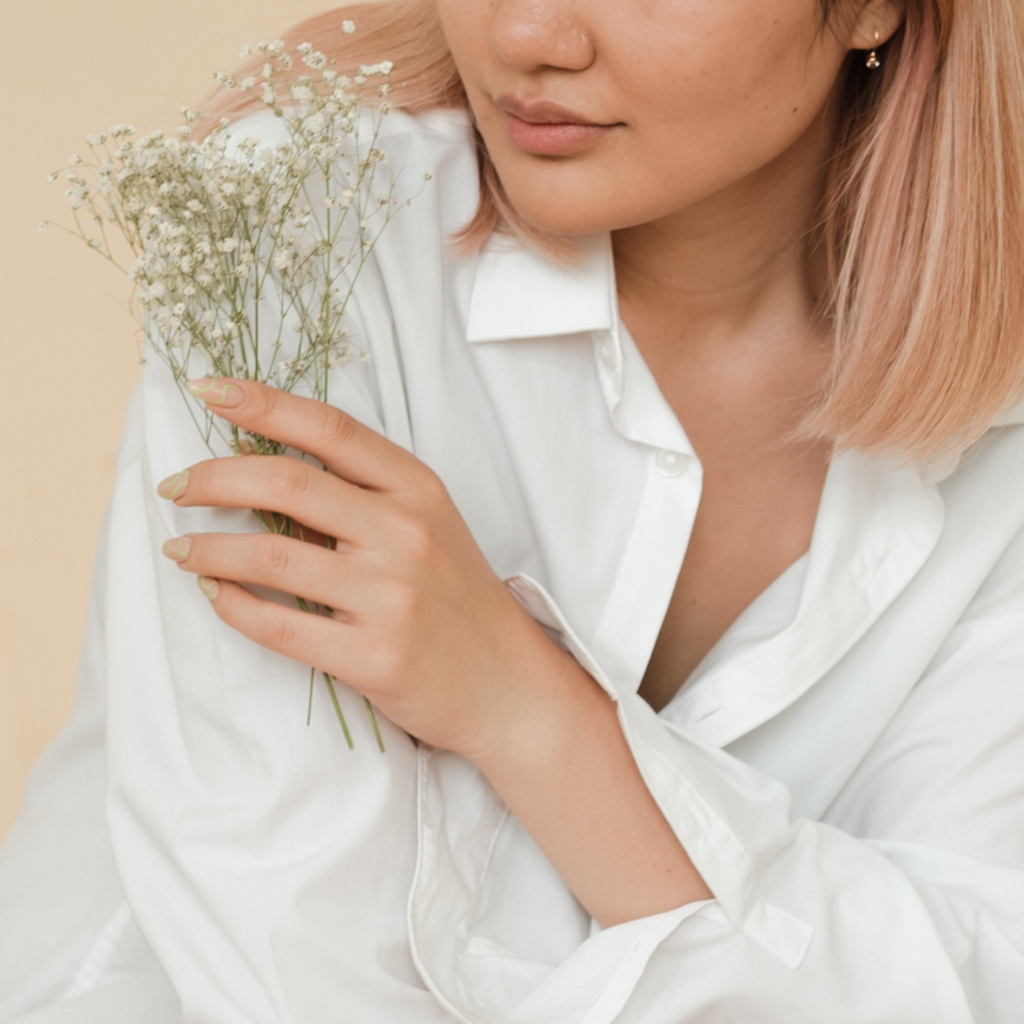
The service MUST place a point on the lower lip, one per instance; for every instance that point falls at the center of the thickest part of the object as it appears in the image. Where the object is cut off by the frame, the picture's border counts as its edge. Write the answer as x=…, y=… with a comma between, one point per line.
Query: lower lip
x=553, y=139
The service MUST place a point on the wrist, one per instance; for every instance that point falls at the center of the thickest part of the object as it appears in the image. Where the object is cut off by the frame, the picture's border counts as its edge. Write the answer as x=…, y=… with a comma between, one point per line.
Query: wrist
x=543, y=709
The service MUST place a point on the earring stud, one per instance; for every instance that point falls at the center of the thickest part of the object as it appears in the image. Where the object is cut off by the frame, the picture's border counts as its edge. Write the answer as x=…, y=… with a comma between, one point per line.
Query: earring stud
x=873, y=62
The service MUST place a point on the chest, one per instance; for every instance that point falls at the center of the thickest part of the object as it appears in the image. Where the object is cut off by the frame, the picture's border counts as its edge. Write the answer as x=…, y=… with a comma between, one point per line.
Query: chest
x=758, y=504
x=753, y=521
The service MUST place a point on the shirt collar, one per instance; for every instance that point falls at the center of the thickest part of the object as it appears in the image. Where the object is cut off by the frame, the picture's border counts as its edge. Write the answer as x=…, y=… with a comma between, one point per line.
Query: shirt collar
x=519, y=293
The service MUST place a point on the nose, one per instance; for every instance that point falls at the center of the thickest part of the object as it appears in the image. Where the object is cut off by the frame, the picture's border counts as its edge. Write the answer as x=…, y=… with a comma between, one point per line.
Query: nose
x=530, y=35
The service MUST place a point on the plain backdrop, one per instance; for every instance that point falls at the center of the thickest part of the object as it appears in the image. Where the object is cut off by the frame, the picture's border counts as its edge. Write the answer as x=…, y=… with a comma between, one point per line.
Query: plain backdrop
x=68, y=356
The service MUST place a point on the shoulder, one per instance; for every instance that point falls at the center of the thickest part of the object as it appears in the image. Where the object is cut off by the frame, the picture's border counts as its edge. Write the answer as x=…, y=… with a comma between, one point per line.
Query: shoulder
x=429, y=159
x=981, y=549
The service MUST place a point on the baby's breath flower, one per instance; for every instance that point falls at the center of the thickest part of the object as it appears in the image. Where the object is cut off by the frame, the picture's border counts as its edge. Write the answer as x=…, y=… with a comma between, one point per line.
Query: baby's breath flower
x=43, y=225
x=220, y=227
x=372, y=70
x=348, y=27
x=246, y=51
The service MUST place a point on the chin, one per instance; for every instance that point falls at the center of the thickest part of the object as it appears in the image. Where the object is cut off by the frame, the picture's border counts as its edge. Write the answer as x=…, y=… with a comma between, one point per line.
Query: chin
x=560, y=221
x=574, y=198
x=565, y=211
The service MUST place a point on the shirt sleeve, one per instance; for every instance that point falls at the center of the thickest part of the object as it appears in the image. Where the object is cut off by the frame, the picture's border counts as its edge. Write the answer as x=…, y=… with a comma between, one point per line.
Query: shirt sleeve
x=65, y=928
x=905, y=904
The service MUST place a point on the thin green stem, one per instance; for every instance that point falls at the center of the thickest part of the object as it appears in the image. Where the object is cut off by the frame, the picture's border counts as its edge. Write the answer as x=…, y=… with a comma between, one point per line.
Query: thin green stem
x=329, y=680
x=309, y=709
x=373, y=722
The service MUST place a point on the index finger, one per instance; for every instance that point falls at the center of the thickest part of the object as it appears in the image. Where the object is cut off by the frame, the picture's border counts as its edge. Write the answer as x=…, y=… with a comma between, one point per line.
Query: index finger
x=348, y=448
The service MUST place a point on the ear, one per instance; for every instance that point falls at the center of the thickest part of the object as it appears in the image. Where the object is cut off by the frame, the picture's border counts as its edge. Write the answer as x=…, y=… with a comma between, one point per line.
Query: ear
x=875, y=23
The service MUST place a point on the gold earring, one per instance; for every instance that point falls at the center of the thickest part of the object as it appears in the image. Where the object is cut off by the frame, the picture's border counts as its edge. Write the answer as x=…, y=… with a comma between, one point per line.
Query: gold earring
x=872, y=63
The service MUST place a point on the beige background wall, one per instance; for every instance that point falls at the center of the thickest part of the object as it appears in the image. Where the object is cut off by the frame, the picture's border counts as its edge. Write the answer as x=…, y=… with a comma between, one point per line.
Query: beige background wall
x=67, y=352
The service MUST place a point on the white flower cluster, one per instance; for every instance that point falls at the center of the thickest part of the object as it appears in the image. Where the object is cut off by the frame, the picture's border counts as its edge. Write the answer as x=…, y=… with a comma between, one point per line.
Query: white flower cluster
x=245, y=255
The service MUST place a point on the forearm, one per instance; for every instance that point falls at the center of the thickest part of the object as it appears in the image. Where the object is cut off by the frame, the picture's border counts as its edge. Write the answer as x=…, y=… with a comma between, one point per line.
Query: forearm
x=566, y=772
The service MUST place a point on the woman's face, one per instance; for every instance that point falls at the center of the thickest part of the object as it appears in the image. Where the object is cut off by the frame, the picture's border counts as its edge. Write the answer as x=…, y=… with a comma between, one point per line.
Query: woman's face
x=604, y=114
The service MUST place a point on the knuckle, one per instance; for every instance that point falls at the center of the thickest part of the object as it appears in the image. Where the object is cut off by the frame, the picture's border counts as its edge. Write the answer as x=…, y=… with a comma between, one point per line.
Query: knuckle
x=278, y=632
x=433, y=490
x=387, y=666
x=270, y=557
x=265, y=400
x=415, y=536
x=336, y=427
x=287, y=480
x=403, y=602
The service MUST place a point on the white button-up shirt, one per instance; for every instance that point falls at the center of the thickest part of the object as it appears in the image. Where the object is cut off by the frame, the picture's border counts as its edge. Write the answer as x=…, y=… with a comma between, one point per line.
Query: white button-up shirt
x=845, y=768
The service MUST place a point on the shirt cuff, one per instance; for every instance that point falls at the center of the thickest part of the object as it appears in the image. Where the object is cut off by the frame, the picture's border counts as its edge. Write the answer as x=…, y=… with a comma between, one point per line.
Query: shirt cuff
x=495, y=932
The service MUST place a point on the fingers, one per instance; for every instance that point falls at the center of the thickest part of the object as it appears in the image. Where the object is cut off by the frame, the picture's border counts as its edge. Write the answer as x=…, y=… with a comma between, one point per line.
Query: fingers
x=303, y=570
x=314, y=640
x=346, y=447
x=280, y=484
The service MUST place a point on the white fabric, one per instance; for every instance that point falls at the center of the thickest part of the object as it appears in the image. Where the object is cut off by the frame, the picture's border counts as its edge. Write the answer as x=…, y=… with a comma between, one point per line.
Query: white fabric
x=846, y=768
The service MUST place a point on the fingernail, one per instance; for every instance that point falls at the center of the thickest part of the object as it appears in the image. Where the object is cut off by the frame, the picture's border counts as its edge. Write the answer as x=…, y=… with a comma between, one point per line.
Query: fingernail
x=211, y=588
x=174, y=486
x=177, y=548
x=216, y=392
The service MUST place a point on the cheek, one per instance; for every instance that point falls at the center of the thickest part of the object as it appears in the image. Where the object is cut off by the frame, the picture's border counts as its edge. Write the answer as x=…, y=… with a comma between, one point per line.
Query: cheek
x=704, y=108
x=465, y=25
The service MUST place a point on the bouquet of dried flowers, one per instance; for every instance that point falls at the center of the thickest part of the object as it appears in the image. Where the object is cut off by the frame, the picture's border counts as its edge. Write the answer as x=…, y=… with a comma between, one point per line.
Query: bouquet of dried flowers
x=234, y=242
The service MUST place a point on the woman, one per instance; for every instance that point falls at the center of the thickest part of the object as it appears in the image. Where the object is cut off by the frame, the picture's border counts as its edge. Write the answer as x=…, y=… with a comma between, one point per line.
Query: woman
x=679, y=519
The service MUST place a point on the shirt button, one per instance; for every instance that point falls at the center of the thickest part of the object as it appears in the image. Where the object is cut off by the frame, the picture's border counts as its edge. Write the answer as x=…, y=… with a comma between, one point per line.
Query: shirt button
x=608, y=355
x=670, y=463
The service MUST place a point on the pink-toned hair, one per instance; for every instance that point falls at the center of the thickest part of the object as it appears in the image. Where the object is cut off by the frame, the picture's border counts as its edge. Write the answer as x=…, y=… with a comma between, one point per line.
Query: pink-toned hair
x=923, y=219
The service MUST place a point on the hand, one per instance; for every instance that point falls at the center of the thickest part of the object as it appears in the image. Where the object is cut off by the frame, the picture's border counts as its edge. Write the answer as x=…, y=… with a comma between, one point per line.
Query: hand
x=424, y=628
x=420, y=624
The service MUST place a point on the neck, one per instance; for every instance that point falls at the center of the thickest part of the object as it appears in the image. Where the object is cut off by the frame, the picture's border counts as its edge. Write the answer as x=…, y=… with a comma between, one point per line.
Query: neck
x=741, y=263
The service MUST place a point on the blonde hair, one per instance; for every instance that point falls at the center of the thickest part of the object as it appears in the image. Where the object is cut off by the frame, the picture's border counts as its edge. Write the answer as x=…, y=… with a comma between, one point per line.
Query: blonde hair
x=923, y=215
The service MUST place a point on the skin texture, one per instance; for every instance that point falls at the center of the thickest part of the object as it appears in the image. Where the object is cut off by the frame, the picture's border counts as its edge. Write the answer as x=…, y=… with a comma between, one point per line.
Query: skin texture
x=719, y=118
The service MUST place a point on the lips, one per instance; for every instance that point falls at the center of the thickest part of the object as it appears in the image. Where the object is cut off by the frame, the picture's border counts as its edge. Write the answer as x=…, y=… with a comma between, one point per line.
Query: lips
x=545, y=128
